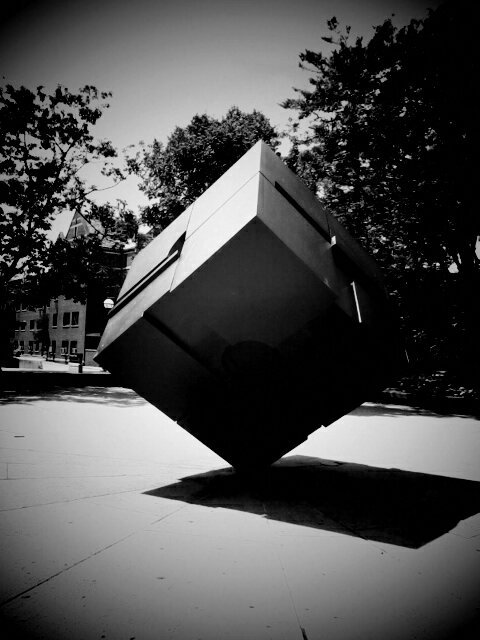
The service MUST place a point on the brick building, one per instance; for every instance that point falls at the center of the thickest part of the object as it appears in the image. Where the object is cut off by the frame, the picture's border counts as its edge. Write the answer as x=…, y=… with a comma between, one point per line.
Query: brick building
x=66, y=328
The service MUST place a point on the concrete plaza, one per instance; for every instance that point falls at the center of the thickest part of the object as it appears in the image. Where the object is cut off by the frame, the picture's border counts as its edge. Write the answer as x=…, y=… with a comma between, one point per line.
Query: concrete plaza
x=115, y=523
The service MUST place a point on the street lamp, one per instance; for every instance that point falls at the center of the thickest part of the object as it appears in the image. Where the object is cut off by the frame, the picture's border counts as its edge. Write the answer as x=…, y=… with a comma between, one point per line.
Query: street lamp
x=108, y=303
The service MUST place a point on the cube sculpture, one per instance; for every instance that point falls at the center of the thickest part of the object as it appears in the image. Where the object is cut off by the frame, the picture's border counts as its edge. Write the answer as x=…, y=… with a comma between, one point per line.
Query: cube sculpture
x=253, y=318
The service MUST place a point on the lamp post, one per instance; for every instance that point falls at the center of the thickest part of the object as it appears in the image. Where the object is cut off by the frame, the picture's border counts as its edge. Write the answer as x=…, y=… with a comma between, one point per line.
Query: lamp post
x=108, y=304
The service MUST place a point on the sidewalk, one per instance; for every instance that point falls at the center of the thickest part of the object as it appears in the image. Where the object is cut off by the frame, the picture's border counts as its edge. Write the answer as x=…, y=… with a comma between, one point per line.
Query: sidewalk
x=115, y=523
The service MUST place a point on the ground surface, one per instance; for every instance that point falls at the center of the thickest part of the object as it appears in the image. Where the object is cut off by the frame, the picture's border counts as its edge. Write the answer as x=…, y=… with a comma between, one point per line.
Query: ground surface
x=115, y=523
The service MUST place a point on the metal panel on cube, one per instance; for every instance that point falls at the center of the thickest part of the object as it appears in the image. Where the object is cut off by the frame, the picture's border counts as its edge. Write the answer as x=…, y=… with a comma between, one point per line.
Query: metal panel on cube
x=254, y=318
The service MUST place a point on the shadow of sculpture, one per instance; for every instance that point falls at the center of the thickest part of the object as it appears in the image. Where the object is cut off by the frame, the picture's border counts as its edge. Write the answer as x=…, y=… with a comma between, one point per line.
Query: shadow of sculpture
x=386, y=505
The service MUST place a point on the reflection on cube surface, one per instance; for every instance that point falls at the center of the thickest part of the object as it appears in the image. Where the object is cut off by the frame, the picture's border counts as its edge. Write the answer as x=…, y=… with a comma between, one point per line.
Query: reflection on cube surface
x=252, y=319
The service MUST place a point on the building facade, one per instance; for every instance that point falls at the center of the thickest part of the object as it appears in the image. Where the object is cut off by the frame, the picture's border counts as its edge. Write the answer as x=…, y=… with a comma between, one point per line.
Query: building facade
x=58, y=329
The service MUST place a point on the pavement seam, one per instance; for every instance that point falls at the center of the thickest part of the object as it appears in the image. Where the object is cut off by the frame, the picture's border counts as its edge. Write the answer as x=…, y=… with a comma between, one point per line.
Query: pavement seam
x=65, y=569
x=154, y=463
x=75, y=564
x=118, y=475
x=168, y=515
x=277, y=553
x=48, y=504
x=83, y=455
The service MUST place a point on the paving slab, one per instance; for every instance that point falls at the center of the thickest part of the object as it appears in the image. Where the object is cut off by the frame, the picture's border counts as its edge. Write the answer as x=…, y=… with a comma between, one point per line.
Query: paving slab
x=116, y=523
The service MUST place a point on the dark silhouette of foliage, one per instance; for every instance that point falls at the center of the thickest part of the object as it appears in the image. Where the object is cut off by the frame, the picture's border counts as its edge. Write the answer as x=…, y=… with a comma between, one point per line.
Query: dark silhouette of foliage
x=95, y=261
x=384, y=134
x=46, y=142
x=176, y=174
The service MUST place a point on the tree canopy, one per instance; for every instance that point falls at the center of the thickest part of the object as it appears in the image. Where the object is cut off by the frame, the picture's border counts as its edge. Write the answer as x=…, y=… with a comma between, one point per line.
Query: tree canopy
x=384, y=134
x=80, y=265
x=174, y=175
x=46, y=142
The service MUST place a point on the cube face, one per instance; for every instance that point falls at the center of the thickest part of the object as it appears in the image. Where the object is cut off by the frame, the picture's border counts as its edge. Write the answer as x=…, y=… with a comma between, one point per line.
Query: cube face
x=253, y=319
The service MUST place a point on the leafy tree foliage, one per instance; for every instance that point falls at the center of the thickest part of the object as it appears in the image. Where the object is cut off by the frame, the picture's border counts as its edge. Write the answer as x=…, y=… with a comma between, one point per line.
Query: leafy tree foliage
x=175, y=174
x=77, y=267
x=87, y=263
x=45, y=143
x=385, y=136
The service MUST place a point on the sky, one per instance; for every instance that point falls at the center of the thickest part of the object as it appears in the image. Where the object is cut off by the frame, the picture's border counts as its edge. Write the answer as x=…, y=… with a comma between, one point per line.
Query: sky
x=166, y=60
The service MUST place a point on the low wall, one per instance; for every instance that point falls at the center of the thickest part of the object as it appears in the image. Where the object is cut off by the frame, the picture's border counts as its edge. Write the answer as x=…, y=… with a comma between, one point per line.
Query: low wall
x=30, y=363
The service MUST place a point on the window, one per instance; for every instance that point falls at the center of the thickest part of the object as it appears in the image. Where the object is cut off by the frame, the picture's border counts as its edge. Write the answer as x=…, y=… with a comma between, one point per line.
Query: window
x=73, y=346
x=76, y=226
x=54, y=319
x=22, y=345
x=75, y=315
x=30, y=346
x=32, y=325
x=37, y=347
x=23, y=325
x=64, y=348
x=66, y=319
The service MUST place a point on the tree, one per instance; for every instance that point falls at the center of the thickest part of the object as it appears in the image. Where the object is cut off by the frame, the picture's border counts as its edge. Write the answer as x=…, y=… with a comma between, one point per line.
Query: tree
x=388, y=142
x=45, y=144
x=176, y=174
x=88, y=263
